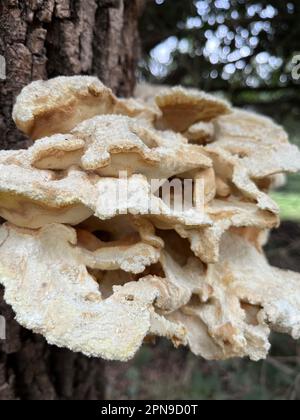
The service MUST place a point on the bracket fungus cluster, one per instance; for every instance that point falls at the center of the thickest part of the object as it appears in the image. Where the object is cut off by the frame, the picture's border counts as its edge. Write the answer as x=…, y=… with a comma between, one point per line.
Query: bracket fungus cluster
x=99, y=276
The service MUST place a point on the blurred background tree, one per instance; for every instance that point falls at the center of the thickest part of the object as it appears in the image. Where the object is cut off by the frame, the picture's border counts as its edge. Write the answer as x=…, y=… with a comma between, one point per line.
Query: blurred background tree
x=242, y=49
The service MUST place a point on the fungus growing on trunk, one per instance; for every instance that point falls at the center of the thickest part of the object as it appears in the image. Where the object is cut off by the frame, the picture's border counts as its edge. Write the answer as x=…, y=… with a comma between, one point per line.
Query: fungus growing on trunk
x=90, y=265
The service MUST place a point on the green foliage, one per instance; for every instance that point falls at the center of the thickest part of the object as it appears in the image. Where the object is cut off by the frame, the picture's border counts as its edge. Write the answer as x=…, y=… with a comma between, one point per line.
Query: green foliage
x=289, y=204
x=236, y=46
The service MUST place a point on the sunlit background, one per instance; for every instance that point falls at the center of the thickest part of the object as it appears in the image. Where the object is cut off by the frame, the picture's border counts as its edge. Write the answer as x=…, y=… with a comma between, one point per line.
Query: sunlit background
x=241, y=49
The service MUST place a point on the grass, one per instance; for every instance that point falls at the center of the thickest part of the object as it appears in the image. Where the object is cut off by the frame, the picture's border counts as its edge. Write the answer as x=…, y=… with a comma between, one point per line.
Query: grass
x=293, y=183
x=289, y=204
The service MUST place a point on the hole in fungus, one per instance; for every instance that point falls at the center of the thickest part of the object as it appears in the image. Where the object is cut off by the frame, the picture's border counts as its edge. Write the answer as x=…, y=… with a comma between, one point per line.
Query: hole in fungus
x=251, y=312
x=103, y=235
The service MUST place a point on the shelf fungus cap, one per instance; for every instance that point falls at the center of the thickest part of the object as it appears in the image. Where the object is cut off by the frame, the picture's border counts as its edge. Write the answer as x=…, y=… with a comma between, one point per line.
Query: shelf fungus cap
x=52, y=293
x=251, y=138
x=243, y=140
x=33, y=198
x=227, y=215
x=56, y=106
x=240, y=300
x=201, y=133
x=131, y=254
x=110, y=144
x=181, y=108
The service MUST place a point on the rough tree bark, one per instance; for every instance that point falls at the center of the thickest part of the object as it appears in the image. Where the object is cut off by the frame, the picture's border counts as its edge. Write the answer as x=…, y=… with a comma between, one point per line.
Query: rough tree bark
x=41, y=39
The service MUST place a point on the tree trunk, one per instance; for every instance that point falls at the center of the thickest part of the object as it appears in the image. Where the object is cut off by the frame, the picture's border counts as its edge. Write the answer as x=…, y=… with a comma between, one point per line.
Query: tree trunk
x=40, y=39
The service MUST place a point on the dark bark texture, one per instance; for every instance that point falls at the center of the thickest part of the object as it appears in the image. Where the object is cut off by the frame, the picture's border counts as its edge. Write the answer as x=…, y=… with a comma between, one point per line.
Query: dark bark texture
x=41, y=39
